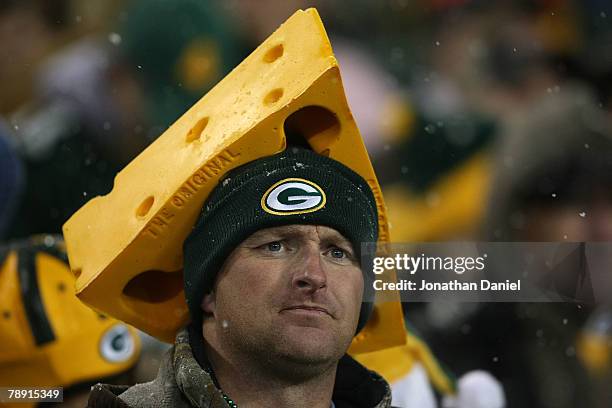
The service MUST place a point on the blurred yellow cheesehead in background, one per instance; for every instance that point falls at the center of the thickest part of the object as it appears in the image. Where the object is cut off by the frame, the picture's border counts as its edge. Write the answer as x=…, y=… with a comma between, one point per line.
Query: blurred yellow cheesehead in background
x=48, y=338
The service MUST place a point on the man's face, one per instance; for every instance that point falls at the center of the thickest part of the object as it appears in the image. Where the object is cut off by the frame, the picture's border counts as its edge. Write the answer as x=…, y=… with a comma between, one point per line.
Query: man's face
x=291, y=292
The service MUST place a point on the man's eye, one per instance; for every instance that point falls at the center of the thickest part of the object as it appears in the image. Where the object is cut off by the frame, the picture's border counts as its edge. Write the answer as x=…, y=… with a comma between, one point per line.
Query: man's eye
x=338, y=253
x=274, y=246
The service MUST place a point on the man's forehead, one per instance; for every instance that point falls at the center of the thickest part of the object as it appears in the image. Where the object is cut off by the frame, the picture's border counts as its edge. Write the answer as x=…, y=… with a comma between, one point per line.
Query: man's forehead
x=322, y=231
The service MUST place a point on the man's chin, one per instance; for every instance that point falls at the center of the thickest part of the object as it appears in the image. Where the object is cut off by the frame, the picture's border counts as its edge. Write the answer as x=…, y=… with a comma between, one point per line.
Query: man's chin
x=308, y=361
x=313, y=345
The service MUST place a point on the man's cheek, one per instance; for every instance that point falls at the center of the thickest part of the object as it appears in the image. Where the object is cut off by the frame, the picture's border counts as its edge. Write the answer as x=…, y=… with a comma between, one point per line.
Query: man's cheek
x=246, y=284
x=359, y=288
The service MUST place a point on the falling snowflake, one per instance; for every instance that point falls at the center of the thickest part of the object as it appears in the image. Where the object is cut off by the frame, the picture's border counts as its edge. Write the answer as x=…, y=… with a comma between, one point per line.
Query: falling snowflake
x=114, y=38
x=49, y=240
x=431, y=129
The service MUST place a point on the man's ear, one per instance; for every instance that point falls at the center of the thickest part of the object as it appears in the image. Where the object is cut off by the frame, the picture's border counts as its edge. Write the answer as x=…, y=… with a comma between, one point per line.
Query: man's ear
x=208, y=303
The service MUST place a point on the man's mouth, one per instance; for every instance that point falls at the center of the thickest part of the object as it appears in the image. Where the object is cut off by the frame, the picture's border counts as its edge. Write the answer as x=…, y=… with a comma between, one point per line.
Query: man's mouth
x=308, y=310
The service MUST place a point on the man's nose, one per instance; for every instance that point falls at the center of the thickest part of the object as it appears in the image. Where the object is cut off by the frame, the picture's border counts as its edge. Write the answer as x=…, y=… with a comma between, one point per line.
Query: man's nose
x=310, y=274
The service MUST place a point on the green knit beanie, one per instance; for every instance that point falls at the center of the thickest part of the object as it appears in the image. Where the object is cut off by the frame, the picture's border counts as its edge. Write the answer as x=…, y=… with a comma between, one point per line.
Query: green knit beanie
x=296, y=186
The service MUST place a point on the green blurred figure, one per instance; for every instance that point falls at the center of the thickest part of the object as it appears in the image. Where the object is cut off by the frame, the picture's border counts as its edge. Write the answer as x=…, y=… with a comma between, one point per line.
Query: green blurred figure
x=178, y=50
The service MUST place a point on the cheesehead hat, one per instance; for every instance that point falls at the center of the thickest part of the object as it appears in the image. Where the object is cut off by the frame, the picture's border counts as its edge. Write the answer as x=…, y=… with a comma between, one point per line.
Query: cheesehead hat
x=289, y=85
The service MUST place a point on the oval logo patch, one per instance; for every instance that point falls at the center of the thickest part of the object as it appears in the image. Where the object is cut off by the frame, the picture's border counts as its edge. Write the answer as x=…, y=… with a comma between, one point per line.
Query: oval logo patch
x=293, y=196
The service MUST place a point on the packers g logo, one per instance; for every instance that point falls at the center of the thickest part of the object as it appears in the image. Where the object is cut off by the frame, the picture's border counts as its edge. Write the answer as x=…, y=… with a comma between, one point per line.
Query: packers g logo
x=293, y=196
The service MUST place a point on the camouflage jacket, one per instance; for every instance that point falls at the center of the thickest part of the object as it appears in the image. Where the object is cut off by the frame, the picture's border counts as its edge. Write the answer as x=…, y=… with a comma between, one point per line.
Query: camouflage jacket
x=182, y=383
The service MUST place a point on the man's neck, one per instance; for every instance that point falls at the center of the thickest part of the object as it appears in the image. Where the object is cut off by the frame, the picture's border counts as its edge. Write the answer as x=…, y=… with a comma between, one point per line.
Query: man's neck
x=252, y=385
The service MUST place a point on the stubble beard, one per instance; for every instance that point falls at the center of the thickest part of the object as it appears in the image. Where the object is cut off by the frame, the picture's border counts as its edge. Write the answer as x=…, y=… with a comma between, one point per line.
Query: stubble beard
x=280, y=355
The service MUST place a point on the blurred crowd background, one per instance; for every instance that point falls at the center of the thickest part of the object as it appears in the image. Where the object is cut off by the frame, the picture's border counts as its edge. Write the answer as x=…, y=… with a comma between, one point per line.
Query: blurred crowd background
x=484, y=120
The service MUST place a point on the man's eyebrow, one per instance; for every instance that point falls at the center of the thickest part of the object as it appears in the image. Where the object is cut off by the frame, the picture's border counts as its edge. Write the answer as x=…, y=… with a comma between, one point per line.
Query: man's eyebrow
x=277, y=232
x=339, y=240
x=335, y=237
x=290, y=231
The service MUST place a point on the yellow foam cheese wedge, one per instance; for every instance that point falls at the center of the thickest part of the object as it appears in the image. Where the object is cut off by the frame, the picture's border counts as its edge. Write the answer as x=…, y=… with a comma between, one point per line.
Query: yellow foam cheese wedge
x=126, y=247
